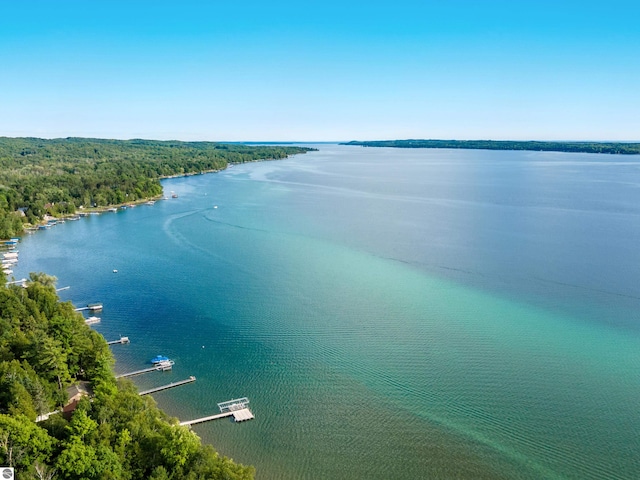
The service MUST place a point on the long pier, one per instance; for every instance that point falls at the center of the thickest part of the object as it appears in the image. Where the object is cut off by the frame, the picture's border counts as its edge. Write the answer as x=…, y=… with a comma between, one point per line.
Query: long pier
x=161, y=367
x=207, y=419
x=237, y=409
x=169, y=385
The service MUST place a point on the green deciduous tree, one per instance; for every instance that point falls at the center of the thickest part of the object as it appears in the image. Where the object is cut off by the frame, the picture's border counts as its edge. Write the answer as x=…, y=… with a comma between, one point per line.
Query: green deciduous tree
x=22, y=442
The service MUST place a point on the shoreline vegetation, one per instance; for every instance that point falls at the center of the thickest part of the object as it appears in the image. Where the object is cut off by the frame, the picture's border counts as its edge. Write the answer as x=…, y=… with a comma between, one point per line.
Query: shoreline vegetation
x=48, y=355
x=56, y=178
x=101, y=428
x=617, y=148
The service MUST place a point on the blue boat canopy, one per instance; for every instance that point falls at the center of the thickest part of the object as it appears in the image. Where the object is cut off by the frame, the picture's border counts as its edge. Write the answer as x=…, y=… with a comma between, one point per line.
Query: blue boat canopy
x=159, y=358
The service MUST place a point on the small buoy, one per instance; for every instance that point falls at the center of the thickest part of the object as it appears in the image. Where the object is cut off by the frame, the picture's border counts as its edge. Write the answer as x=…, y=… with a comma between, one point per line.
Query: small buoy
x=202, y=346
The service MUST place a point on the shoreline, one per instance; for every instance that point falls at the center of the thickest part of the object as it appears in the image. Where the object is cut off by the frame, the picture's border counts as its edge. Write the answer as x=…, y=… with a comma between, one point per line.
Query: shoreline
x=108, y=208
x=97, y=173
x=604, y=148
x=125, y=384
x=31, y=228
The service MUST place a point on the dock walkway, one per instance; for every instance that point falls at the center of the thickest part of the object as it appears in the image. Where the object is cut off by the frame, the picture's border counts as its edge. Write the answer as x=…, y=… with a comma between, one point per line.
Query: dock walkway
x=161, y=367
x=170, y=385
x=206, y=419
x=93, y=307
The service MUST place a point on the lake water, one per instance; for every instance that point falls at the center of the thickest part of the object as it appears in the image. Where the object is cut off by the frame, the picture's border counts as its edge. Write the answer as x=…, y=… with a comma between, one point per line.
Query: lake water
x=391, y=314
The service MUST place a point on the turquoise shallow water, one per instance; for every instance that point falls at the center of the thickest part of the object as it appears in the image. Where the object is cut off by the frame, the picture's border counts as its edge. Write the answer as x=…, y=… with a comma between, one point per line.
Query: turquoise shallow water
x=390, y=313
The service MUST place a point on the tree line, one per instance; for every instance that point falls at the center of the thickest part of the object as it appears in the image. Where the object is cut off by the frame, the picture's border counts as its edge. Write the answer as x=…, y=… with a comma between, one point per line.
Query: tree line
x=574, y=147
x=45, y=347
x=56, y=177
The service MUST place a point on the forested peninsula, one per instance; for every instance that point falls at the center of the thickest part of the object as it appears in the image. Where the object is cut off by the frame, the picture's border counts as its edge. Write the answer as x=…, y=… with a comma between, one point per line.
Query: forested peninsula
x=47, y=354
x=57, y=177
x=573, y=147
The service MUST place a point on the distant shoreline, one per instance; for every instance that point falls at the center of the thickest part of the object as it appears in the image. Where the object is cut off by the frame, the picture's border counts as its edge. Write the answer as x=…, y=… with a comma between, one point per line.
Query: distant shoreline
x=615, y=148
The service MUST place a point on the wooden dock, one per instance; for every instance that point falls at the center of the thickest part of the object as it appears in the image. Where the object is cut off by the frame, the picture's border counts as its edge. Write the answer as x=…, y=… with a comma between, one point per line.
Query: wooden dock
x=169, y=385
x=233, y=408
x=92, y=320
x=207, y=419
x=122, y=340
x=94, y=307
x=160, y=367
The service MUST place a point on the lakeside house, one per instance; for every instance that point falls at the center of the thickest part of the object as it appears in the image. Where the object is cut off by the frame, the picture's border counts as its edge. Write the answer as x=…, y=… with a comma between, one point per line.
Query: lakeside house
x=75, y=393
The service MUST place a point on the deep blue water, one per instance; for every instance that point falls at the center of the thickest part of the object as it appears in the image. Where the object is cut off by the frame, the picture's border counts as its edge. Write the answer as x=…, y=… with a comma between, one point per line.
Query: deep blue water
x=389, y=313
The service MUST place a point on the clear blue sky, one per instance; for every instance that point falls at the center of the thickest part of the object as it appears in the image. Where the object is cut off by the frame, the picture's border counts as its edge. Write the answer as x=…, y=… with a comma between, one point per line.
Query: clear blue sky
x=320, y=70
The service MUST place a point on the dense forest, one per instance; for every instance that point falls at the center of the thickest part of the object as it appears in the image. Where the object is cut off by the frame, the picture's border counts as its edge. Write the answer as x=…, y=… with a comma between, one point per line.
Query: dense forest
x=574, y=147
x=56, y=177
x=45, y=347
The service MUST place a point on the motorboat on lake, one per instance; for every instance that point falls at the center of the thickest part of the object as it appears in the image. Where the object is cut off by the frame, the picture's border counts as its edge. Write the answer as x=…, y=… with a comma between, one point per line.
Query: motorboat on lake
x=159, y=359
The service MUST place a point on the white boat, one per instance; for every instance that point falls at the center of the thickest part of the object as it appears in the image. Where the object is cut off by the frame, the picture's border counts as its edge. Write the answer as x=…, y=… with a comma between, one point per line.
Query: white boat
x=159, y=358
x=92, y=320
x=165, y=365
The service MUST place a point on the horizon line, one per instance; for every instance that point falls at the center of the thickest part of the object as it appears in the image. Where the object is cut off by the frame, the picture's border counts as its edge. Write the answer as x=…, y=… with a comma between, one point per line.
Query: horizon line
x=280, y=142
